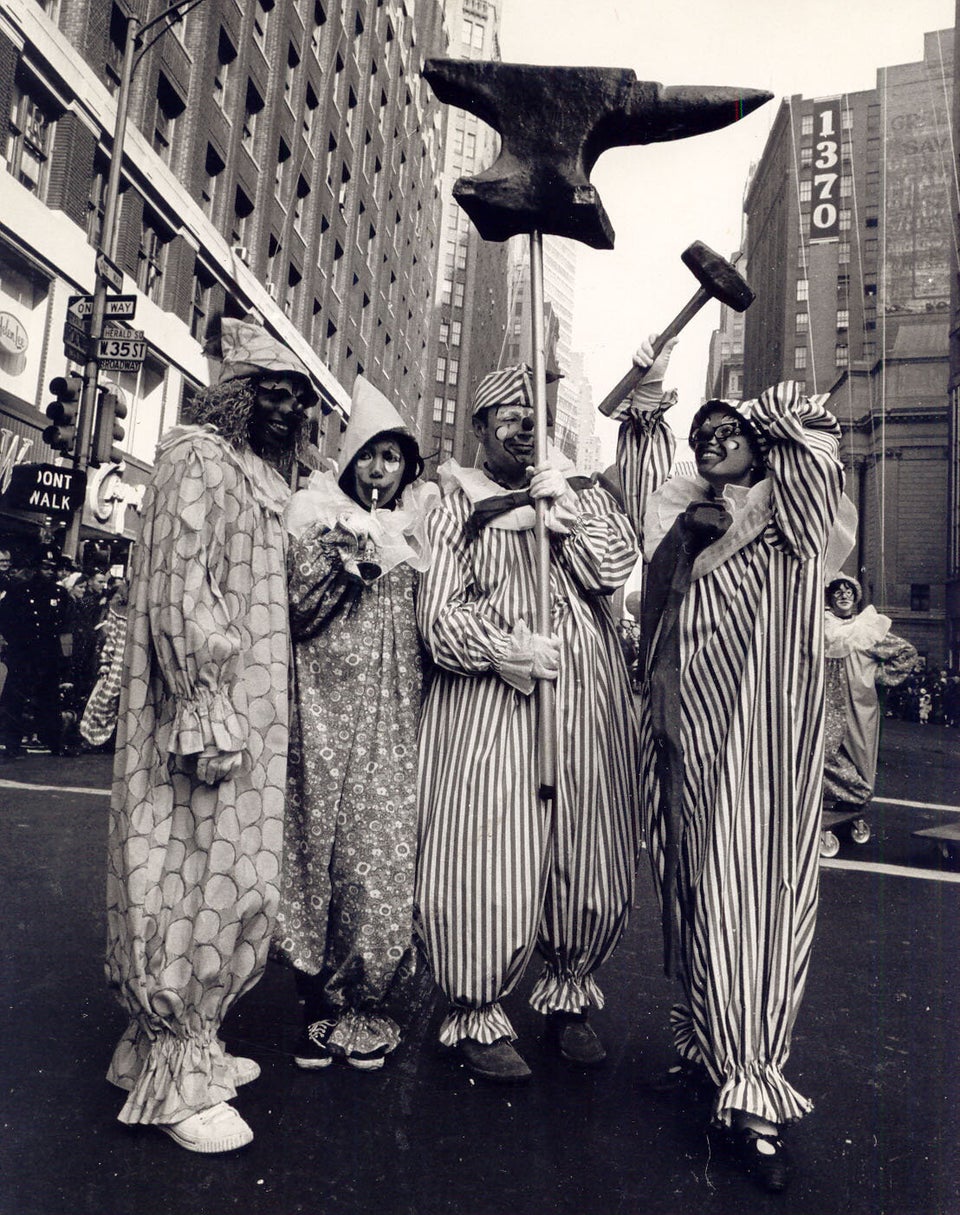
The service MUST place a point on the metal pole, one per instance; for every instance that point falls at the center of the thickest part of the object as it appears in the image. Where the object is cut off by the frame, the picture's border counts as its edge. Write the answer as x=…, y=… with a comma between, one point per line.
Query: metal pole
x=546, y=692
x=107, y=246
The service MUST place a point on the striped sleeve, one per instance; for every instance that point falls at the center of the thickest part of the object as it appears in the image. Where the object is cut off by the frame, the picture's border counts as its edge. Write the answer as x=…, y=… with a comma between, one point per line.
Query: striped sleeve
x=602, y=549
x=458, y=628
x=804, y=466
x=645, y=448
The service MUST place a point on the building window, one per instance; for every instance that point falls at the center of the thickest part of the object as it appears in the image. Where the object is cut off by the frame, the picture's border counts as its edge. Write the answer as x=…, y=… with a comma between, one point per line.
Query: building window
x=342, y=192
x=458, y=291
x=303, y=189
x=290, y=76
x=800, y=358
x=446, y=447
x=28, y=141
x=846, y=119
x=444, y=333
x=252, y=109
x=151, y=258
x=280, y=177
x=805, y=191
x=453, y=371
x=170, y=105
x=803, y=288
x=843, y=253
x=294, y=278
x=310, y=104
x=213, y=166
x=919, y=596
x=843, y=354
x=202, y=286
x=261, y=15
x=844, y=219
x=843, y=318
x=451, y=412
x=455, y=331
x=438, y=409
x=806, y=124
x=846, y=185
x=446, y=291
x=806, y=157
x=242, y=210
x=223, y=72
x=117, y=41
x=441, y=369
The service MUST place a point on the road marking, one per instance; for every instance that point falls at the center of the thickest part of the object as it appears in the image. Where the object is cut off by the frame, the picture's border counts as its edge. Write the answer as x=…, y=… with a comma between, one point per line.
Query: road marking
x=893, y=801
x=933, y=875
x=16, y=784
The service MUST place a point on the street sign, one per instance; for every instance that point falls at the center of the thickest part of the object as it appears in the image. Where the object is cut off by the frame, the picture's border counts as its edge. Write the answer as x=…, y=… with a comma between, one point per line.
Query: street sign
x=45, y=489
x=121, y=349
x=123, y=307
x=107, y=270
x=75, y=342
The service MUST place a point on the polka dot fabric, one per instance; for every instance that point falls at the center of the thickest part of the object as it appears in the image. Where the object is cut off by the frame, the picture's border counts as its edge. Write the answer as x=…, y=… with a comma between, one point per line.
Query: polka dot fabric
x=194, y=869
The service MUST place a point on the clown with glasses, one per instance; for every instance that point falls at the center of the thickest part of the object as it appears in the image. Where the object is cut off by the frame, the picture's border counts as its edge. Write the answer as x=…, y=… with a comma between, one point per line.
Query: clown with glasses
x=731, y=722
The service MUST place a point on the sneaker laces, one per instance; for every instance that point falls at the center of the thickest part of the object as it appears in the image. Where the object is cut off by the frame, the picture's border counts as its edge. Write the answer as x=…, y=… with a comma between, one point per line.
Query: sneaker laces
x=319, y=1031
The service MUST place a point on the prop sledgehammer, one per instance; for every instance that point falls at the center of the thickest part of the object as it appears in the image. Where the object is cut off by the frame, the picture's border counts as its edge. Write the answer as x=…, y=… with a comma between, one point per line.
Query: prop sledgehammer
x=719, y=280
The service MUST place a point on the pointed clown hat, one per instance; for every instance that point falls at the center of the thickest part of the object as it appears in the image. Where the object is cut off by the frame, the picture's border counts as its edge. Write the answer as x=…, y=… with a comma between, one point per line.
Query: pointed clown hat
x=248, y=349
x=371, y=414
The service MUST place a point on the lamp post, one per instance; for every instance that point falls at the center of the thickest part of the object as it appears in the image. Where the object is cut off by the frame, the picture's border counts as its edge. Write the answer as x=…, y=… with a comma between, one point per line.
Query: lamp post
x=133, y=51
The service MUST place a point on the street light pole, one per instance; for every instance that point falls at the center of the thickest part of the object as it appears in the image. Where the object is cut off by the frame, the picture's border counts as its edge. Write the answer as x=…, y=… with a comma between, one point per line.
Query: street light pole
x=106, y=249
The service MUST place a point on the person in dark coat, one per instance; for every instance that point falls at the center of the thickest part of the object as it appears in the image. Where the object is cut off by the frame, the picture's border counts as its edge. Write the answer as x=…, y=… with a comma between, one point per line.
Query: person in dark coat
x=35, y=624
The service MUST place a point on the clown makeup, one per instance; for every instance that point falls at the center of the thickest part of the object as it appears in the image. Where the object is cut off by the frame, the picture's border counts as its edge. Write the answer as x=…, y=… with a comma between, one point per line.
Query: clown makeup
x=278, y=409
x=843, y=600
x=378, y=469
x=722, y=452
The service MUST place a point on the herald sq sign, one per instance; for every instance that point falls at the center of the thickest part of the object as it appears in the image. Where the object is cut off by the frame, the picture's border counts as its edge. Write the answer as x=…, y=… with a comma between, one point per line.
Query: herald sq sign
x=825, y=192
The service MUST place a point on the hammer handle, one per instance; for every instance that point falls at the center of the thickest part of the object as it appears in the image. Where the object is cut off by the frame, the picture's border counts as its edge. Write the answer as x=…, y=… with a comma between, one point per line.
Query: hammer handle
x=636, y=374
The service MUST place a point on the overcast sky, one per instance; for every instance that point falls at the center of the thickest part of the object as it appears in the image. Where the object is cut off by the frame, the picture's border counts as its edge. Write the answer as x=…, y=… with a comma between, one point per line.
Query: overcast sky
x=660, y=198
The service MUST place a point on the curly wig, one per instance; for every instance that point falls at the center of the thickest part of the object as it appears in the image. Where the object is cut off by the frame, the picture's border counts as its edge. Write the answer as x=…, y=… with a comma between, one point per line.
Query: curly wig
x=228, y=407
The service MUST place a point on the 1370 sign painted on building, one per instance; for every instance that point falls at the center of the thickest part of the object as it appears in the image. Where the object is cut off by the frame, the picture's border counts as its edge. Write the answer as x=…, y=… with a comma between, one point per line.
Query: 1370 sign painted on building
x=825, y=193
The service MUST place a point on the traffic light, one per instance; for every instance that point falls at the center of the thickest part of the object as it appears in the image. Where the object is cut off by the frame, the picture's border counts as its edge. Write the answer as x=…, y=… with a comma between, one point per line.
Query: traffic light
x=62, y=434
x=107, y=431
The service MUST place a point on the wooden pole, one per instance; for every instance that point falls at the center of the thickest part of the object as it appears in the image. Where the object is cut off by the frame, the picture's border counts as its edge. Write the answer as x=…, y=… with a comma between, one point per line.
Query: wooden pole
x=546, y=691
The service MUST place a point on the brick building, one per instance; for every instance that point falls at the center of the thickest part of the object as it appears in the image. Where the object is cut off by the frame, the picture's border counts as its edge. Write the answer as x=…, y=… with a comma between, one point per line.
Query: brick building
x=280, y=158
x=849, y=240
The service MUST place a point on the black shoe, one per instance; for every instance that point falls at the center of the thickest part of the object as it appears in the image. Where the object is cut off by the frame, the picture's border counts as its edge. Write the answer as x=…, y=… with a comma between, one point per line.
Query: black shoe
x=575, y=1039
x=367, y=1061
x=494, y=1061
x=763, y=1156
x=312, y=1051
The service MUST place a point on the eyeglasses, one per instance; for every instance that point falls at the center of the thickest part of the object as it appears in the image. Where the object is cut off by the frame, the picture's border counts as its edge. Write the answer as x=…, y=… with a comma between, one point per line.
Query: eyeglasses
x=726, y=430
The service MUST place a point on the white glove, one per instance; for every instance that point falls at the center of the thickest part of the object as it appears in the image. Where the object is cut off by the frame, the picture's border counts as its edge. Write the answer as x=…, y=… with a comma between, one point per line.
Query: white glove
x=649, y=392
x=528, y=656
x=357, y=522
x=213, y=765
x=564, y=505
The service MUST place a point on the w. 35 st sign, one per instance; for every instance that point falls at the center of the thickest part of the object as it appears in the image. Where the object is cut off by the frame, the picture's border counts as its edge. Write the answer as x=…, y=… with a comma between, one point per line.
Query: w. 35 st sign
x=825, y=194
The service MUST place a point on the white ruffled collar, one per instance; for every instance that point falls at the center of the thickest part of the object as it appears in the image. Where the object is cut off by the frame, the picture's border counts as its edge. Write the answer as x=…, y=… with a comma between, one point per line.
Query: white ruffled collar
x=844, y=637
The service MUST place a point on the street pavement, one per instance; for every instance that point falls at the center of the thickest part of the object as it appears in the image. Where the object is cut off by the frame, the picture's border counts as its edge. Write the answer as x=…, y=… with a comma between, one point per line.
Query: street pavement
x=875, y=1047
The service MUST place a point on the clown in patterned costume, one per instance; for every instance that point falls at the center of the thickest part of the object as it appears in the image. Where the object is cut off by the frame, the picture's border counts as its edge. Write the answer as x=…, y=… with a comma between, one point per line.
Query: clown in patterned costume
x=731, y=728
x=501, y=872
x=196, y=822
x=350, y=840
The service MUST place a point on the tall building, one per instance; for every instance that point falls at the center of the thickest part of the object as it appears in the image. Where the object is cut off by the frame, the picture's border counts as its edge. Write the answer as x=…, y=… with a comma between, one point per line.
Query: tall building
x=471, y=275
x=282, y=159
x=849, y=243
x=953, y=450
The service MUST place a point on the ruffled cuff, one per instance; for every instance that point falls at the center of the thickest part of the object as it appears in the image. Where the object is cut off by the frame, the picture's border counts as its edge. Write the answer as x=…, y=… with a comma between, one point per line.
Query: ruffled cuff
x=513, y=661
x=563, y=514
x=761, y=1090
x=206, y=720
x=486, y=1024
x=554, y=992
x=360, y=1033
x=169, y=1078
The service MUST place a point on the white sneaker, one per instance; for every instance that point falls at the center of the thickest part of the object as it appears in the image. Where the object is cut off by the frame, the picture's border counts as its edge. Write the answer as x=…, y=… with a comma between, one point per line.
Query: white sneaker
x=217, y=1129
x=244, y=1070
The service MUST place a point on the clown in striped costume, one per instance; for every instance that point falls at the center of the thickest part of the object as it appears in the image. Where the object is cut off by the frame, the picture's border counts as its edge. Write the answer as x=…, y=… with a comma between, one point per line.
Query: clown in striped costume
x=499, y=872
x=731, y=730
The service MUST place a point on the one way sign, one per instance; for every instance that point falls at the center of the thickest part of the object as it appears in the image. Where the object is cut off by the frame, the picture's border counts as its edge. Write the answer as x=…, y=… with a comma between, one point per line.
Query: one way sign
x=118, y=306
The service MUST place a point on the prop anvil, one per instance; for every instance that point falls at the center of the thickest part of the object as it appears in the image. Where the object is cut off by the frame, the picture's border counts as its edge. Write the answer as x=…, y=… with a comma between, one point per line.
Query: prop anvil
x=554, y=123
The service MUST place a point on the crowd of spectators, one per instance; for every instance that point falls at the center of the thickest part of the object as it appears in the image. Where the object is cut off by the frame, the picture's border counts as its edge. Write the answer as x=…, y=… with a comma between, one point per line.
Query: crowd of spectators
x=930, y=696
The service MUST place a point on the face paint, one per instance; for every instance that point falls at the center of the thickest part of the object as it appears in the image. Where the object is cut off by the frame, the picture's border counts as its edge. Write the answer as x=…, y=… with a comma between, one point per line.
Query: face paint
x=378, y=469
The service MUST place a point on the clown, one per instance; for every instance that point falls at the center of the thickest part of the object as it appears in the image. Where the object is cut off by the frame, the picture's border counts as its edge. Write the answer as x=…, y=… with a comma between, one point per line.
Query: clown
x=196, y=822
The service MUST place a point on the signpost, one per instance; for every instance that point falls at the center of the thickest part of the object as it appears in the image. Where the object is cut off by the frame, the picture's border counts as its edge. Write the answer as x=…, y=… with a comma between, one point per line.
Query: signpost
x=46, y=489
x=119, y=307
x=110, y=272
